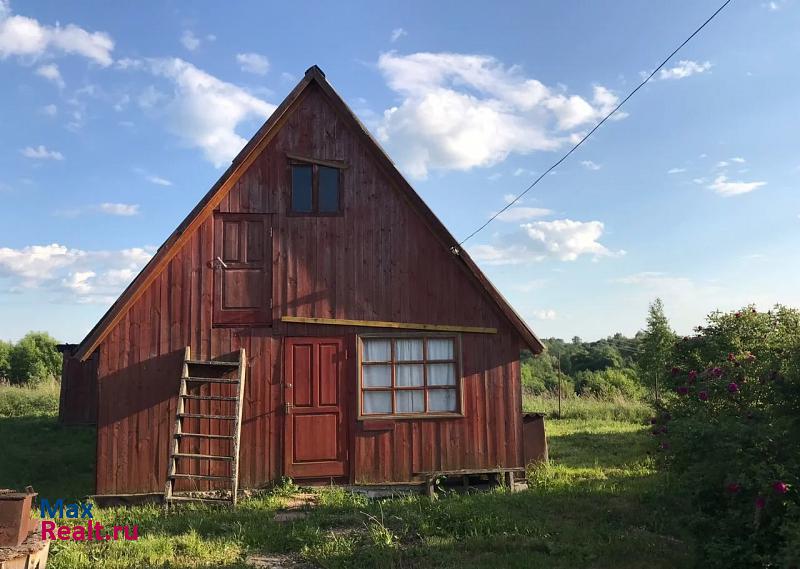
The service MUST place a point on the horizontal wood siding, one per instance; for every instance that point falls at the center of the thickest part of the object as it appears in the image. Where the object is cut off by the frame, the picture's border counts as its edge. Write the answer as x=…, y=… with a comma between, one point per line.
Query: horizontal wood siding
x=377, y=261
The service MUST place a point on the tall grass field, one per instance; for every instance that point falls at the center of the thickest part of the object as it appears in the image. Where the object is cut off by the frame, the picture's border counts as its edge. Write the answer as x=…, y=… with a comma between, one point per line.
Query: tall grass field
x=600, y=503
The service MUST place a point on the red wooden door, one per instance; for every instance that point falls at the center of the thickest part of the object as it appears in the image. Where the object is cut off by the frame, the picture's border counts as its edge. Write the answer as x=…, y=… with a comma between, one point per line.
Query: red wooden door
x=315, y=429
x=242, y=269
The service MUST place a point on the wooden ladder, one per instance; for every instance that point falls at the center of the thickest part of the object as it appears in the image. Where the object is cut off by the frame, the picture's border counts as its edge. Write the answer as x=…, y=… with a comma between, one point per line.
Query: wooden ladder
x=197, y=373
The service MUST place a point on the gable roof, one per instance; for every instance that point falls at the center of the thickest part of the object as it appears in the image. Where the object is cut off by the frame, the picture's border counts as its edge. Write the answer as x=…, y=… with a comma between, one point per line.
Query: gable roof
x=240, y=164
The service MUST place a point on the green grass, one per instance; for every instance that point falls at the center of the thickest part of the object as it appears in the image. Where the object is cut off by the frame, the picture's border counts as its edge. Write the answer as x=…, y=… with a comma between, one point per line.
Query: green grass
x=588, y=407
x=601, y=503
x=57, y=461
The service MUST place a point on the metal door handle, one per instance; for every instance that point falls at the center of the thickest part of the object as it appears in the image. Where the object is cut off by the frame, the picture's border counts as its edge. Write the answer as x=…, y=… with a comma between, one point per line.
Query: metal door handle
x=220, y=263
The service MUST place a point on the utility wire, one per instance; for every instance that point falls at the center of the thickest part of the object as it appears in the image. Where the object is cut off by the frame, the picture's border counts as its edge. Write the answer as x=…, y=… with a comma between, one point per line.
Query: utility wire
x=598, y=125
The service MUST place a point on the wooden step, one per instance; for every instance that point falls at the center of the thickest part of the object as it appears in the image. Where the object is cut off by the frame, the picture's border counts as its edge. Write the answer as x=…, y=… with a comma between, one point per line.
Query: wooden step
x=203, y=456
x=210, y=398
x=212, y=363
x=204, y=436
x=202, y=416
x=212, y=379
x=175, y=498
x=200, y=477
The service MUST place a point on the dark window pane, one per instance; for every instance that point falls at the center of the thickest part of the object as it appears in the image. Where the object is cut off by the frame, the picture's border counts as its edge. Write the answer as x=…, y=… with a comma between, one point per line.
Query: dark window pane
x=301, y=189
x=328, y=189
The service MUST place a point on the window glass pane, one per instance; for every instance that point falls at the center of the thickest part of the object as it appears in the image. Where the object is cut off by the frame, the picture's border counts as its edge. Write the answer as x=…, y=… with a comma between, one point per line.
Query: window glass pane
x=441, y=400
x=377, y=350
x=377, y=376
x=409, y=401
x=408, y=349
x=301, y=189
x=377, y=402
x=440, y=348
x=409, y=375
x=441, y=374
x=328, y=189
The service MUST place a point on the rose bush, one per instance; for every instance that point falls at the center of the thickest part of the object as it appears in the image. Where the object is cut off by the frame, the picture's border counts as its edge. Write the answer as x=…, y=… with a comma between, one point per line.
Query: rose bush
x=730, y=431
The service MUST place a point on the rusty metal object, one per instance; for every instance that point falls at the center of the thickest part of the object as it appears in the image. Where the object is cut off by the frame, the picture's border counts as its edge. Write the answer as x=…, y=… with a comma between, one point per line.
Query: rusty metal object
x=15, y=516
x=534, y=438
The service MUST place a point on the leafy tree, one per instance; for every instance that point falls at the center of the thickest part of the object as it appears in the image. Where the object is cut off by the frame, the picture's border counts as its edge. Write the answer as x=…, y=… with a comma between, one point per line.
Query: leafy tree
x=34, y=359
x=5, y=360
x=657, y=343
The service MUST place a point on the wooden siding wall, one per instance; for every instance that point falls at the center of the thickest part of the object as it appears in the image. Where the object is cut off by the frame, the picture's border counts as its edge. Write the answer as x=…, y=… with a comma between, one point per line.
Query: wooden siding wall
x=378, y=261
x=78, y=399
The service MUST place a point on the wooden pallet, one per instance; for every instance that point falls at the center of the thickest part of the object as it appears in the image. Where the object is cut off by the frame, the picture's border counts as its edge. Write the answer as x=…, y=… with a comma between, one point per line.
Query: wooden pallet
x=199, y=372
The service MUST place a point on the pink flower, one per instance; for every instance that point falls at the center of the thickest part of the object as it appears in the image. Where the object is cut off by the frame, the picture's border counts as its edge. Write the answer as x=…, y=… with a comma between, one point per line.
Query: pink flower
x=703, y=395
x=780, y=487
x=693, y=374
x=760, y=503
x=733, y=488
x=676, y=370
x=738, y=315
x=716, y=372
x=732, y=387
x=731, y=357
x=682, y=390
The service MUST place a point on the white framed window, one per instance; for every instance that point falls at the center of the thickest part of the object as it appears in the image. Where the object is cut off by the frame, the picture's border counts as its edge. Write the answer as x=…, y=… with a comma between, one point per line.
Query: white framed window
x=409, y=376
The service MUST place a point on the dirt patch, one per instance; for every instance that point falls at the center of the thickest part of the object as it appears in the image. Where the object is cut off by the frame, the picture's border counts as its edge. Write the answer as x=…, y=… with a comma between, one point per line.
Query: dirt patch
x=277, y=561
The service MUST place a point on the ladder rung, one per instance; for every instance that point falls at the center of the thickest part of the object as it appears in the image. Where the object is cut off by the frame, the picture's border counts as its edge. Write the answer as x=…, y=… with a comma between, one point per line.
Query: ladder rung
x=212, y=363
x=201, y=416
x=211, y=379
x=204, y=436
x=202, y=456
x=210, y=397
x=200, y=476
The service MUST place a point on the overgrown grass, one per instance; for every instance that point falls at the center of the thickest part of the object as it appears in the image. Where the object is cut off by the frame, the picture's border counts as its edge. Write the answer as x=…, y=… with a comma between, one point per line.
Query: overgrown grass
x=588, y=407
x=41, y=400
x=34, y=450
x=601, y=503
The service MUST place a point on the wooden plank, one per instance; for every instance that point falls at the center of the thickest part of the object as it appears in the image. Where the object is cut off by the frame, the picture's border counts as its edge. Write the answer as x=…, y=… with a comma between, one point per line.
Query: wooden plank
x=383, y=324
x=340, y=164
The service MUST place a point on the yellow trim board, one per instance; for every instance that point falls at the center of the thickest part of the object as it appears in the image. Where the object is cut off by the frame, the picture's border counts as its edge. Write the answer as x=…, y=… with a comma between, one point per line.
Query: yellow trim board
x=382, y=324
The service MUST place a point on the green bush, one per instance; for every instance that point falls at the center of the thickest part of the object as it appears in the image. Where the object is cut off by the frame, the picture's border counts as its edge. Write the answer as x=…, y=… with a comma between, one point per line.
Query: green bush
x=609, y=383
x=730, y=431
x=34, y=359
x=5, y=360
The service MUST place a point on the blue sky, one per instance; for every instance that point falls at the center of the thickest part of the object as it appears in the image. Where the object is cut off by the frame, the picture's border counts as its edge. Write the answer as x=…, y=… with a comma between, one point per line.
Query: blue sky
x=118, y=117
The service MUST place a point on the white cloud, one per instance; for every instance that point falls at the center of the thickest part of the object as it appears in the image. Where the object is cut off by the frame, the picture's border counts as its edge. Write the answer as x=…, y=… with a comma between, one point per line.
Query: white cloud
x=548, y=314
x=158, y=181
x=676, y=170
x=253, y=63
x=464, y=111
x=51, y=72
x=684, y=68
x=727, y=188
x=122, y=209
x=50, y=110
x=722, y=164
x=590, y=165
x=73, y=274
x=509, y=198
x=189, y=40
x=521, y=213
x=738, y=160
x=562, y=239
x=203, y=110
x=41, y=153
x=524, y=172
x=25, y=37
x=397, y=33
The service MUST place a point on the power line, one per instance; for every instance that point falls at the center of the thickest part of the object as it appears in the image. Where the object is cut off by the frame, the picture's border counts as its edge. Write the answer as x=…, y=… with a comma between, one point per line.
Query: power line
x=598, y=125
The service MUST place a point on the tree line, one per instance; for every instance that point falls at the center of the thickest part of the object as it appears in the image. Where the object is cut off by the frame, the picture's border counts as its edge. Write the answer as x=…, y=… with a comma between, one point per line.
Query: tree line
x=613, y=366
x=32, y=360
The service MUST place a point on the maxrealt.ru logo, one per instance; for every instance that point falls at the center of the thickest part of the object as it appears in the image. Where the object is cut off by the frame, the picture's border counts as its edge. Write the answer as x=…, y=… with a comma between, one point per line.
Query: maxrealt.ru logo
x=92, y=531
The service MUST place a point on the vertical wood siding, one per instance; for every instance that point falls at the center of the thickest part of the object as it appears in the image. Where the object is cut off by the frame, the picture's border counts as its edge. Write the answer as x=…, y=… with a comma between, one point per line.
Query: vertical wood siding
x=378, y=261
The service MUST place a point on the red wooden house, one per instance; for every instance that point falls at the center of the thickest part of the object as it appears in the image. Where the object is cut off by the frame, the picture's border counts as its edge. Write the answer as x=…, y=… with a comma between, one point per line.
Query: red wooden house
x=376, y=350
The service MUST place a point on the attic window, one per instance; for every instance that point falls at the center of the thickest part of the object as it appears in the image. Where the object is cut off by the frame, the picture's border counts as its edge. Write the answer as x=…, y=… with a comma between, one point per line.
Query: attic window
x=316, y=188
